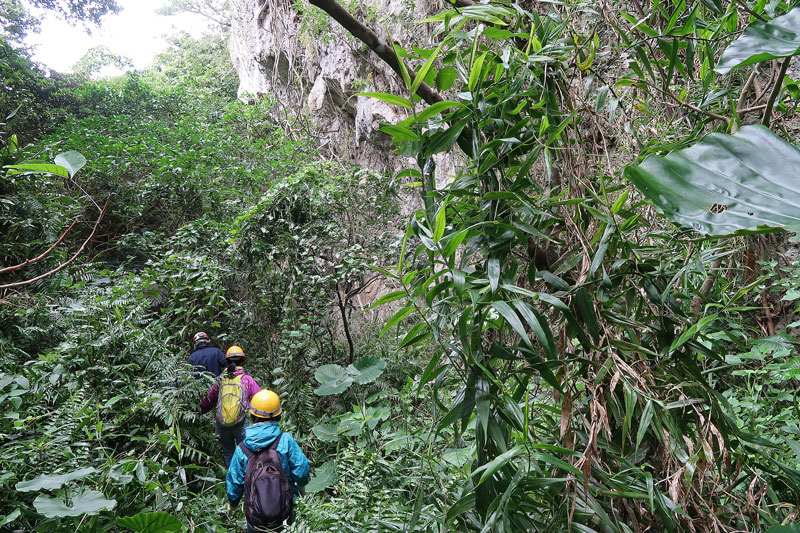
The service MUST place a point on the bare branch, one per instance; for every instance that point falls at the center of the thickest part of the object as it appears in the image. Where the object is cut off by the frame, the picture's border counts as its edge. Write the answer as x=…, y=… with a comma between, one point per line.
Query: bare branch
x=775, y=91
x=70, y=260
x=43, y=255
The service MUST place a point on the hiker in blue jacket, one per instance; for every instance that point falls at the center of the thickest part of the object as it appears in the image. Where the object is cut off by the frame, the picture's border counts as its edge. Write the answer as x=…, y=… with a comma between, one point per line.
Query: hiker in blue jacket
x=205, y=358
x=265, y=408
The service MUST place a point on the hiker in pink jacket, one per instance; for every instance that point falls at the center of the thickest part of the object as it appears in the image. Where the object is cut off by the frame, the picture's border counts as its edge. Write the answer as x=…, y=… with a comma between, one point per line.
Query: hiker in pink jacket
x=231, y=395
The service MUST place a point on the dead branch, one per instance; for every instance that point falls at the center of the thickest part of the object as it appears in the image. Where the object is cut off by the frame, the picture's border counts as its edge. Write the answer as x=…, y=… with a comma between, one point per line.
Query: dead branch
x=775, y=91
x=705, y=288
x=43, y=255
x=70, y=260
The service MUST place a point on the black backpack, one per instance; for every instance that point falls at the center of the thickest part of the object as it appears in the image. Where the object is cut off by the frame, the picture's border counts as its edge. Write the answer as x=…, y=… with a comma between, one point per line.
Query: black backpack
x=268, y=496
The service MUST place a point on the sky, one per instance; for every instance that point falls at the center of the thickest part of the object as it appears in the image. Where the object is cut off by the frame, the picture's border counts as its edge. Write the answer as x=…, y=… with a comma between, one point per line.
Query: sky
x=137, y=33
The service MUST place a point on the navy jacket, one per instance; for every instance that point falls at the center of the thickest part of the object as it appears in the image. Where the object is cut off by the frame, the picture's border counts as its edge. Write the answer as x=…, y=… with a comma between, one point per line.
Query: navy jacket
x=207, y=359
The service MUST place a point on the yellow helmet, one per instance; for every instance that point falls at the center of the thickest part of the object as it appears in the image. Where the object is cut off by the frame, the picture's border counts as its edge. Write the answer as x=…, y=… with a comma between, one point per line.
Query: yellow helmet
x=234, y=351
x=265, y=404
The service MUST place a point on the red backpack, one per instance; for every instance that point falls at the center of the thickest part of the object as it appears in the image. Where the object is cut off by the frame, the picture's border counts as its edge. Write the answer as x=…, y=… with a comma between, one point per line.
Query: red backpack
x=268, y=495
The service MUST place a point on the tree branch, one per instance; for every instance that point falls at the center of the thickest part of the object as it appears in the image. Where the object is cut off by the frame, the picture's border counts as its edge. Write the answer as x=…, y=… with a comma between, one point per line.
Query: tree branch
x=70, y=260
x=383, y=49
x=42, y=256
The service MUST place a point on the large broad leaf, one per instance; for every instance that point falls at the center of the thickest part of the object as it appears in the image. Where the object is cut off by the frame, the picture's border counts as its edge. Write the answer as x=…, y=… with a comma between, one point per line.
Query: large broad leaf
x=762, y=41
x=151, y=523
x=52, y=482
x=324, y=477
x=333, y=379
x=71, y=160
x=85, y=502
x=726, y=184
x=326, y=432
x=366, y=369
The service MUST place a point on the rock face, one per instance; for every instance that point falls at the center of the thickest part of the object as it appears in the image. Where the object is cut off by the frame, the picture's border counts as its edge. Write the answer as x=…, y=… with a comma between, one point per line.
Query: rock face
x=297, y=55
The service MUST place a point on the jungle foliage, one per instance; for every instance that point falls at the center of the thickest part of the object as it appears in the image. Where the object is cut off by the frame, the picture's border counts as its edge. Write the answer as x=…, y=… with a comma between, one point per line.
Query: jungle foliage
x=536, y=349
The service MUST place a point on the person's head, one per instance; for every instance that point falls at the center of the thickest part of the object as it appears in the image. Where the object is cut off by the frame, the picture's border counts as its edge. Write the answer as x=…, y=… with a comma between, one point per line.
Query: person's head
x=265, y=406
x=234, y=358
x=200, y=340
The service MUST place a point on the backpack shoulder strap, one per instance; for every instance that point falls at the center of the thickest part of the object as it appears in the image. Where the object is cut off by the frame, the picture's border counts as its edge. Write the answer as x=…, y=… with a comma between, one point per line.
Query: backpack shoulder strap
x=247, y=451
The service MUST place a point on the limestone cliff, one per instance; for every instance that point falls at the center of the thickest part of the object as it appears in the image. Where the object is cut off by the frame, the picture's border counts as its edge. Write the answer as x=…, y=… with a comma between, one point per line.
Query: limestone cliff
x=312, y=68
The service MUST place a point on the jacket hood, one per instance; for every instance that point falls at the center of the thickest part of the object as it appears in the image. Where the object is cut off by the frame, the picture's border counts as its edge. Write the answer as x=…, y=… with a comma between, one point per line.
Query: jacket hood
x=258, y=436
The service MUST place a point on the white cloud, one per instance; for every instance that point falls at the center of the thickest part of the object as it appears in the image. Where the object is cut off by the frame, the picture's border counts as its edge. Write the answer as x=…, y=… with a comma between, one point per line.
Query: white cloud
x=137, y=33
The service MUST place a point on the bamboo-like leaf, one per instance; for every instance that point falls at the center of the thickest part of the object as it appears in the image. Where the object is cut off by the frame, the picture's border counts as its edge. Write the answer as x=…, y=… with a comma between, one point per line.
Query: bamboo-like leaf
x=425, y=68
x=762, y=41
x=475, y=73
x=399, y=134
x=396, y=318
x=496, y=464
x=440, y=222
x=389, y=99
x=726, y=184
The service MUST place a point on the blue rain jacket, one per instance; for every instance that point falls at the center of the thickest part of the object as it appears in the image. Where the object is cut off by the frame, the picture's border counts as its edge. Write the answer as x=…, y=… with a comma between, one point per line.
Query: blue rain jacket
x=257, y=437
x=207, y=359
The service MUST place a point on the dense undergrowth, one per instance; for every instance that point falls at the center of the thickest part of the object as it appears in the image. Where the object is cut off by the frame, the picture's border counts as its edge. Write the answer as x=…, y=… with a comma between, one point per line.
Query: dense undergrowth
x=555, y=355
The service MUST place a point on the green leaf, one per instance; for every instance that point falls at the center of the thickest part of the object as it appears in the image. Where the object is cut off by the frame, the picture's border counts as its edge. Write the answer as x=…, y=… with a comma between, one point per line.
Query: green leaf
x=389, y=99
x=689, y=333
x=437, y=108
x=425, y=68
x=458, y=457
x=326, y=432
x=45, y=168
x=333, y=379
x=444, y=140
x=386, y=298
x=644, y=422
x=726, y=184
x=496, y=464
x=367, y=369
x=513, y=320
x=493, y=271
x=10, y=517
x=399, y=52
x=475, y=73
x=762, y=41
x=453, y=241
x=88, y=502
x=445, y=78
x=44, y=482
x=440, y=222
x=789, y=528
x=71, y=160
x=324, y=477
x=151, y=523
x=396, y=318
x=400, y=134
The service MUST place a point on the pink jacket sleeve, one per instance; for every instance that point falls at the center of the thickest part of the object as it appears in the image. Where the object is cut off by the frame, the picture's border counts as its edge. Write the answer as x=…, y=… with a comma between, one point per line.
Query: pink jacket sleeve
x=211, y=399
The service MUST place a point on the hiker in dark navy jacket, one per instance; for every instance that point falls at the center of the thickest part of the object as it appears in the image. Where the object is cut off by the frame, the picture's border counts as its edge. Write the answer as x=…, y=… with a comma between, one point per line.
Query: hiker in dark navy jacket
x=205, y=358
